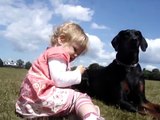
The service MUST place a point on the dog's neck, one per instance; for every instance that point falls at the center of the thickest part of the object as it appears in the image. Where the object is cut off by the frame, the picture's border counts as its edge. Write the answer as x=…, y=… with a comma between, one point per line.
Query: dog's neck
x=125, y=65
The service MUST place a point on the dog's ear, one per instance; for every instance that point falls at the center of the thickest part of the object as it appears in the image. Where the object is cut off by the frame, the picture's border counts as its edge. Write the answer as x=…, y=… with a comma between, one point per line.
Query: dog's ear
x=115, y=41
x=143, y=43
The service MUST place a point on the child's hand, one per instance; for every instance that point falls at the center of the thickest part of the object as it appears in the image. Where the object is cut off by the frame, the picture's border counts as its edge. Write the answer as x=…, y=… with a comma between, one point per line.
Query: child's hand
x=81, y=69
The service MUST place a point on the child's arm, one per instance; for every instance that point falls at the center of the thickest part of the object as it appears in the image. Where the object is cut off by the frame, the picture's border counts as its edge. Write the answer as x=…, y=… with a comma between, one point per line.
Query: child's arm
x=61, y=77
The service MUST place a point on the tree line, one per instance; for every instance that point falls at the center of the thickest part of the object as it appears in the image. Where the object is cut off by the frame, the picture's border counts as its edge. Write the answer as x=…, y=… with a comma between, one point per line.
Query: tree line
x=152, y=75
x=16, y=64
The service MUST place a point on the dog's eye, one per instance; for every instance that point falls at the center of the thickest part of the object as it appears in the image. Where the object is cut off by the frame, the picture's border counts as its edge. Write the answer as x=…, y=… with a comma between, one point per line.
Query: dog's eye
x=127, y=36
x=137, y=33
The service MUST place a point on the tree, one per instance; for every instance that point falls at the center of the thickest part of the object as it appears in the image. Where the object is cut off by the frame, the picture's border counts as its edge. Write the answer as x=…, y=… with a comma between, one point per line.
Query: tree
x=28, y=65
x=1, y=63
x=156, y=70
x=20, y=63
x=147, y=74
x=156, y=74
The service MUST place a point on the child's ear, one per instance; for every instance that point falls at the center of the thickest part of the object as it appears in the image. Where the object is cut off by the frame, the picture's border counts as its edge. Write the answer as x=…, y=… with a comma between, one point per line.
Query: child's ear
x=61, y=39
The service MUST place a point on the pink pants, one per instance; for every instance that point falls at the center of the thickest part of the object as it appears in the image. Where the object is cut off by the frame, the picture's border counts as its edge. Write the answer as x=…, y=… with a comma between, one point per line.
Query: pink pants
x=61, y=103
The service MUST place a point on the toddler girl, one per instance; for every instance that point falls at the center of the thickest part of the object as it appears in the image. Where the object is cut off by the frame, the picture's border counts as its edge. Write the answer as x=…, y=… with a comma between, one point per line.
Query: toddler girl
x=46, y=91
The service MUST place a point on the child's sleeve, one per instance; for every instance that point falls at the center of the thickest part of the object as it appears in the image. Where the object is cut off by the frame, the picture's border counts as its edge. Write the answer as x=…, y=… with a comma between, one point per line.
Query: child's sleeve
x=61, y=76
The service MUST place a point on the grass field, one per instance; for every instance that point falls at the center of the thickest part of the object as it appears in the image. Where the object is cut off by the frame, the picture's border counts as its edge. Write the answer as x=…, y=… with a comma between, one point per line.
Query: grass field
x=11, y=78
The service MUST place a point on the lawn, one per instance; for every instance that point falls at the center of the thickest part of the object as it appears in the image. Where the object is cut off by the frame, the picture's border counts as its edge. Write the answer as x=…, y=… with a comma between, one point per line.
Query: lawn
x=11, y=78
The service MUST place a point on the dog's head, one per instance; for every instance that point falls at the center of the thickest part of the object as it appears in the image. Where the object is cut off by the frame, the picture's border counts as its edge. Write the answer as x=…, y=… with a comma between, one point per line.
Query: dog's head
x=127, y=44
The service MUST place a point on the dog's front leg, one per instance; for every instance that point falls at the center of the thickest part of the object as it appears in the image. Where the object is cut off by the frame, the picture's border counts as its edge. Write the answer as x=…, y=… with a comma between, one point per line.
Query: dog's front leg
x=124, y=105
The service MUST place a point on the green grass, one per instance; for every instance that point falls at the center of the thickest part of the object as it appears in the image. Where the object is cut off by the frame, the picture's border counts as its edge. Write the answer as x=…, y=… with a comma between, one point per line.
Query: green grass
x=10, y=81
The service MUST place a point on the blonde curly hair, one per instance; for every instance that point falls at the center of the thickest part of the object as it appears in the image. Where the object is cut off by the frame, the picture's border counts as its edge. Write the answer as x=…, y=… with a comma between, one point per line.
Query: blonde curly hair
x=71, y=32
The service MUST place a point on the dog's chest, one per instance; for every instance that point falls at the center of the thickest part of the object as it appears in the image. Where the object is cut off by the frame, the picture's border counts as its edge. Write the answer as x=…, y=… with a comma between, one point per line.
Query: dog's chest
x=132, y=77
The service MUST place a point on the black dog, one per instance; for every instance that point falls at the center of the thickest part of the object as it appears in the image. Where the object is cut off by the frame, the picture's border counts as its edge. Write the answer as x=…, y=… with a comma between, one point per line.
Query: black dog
x=121, y=83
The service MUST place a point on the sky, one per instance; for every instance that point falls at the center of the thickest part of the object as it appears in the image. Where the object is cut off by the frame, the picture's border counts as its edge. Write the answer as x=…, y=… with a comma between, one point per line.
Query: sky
x=26, y=27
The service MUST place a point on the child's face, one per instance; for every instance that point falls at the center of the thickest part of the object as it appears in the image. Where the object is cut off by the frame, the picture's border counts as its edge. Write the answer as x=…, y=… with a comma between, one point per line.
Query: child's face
x=73, y=49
